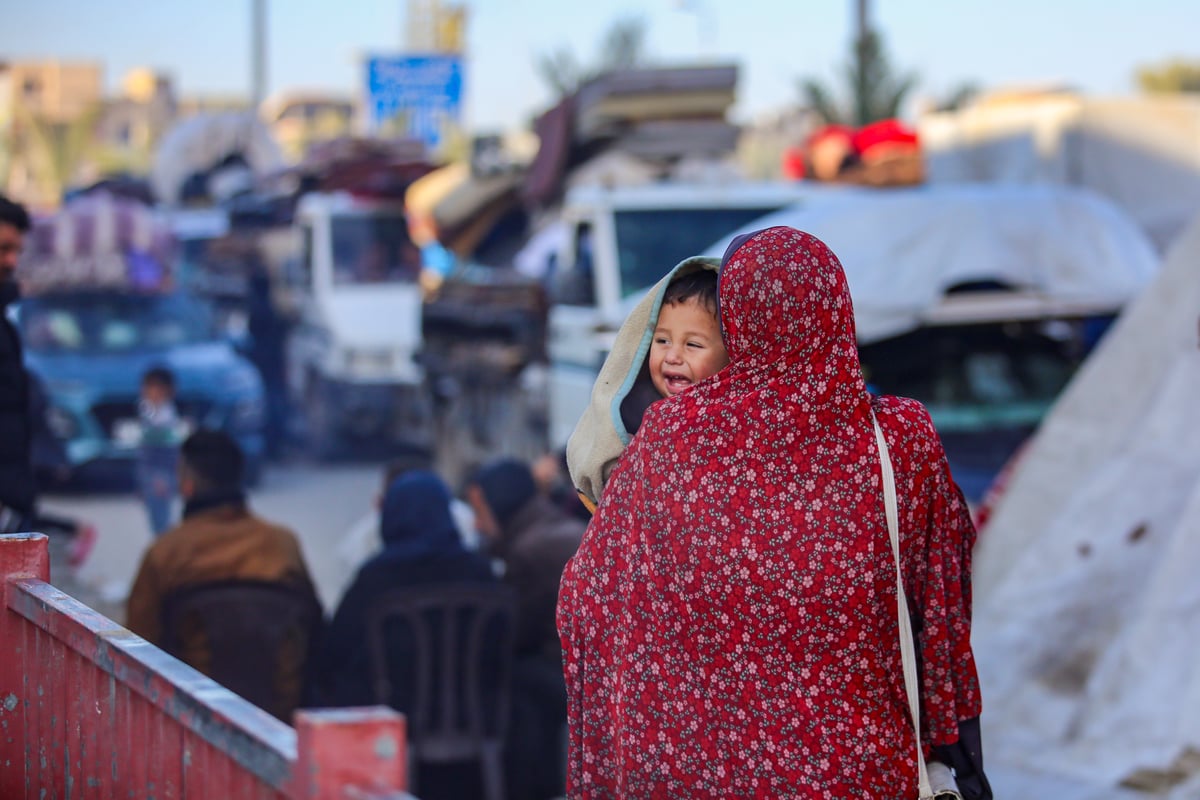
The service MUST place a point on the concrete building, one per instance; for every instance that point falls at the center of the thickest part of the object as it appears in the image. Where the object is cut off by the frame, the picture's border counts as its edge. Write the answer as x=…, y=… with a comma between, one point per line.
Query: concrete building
x=298, y=120
x=45, y=110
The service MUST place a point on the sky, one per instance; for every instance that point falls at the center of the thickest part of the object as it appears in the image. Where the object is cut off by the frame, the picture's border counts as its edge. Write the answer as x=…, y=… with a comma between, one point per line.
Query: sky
x=1094, y=45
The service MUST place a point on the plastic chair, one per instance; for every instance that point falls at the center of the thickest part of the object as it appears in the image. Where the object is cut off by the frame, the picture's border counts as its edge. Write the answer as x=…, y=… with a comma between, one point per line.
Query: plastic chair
x=255, y=638
x=443, y=656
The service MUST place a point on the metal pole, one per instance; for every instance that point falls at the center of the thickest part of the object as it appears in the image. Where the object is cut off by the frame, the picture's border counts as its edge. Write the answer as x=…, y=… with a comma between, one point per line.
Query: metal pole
x=861, y=89
x=258, y=53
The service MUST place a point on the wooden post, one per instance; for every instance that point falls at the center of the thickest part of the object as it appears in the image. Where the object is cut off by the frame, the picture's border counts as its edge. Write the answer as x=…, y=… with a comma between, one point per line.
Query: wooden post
x=337, y=749
x=22, y=555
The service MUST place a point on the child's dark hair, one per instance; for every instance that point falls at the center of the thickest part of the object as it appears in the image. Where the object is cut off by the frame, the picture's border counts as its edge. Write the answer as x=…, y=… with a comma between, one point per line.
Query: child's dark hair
x=159, y=376
x=700, y=285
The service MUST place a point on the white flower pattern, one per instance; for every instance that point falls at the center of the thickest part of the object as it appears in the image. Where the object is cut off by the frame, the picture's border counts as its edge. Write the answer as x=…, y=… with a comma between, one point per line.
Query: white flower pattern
x=729, y=622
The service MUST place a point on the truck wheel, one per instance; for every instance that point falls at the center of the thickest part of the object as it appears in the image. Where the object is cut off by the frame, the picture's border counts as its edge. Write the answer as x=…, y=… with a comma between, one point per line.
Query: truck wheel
x=318, y=414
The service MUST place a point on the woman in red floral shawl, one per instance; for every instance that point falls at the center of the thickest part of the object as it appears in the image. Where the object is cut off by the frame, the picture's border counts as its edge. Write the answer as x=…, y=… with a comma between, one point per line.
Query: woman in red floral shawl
x=729, y=622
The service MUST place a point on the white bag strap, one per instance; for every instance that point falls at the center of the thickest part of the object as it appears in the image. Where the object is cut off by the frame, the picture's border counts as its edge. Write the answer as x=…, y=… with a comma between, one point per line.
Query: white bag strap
x=907, y=655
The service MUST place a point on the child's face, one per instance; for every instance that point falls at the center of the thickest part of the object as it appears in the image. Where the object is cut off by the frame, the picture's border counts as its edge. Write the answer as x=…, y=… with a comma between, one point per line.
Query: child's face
x=155, y=393
x=686, y=348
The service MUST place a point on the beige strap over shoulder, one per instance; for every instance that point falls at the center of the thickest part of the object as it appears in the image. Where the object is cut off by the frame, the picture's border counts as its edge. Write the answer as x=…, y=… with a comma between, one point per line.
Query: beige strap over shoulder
x=907, y=654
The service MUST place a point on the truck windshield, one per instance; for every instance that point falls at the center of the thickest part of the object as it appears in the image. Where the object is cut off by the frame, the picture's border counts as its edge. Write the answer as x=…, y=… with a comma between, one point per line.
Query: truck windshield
x=373, y=249
x=977, y=377
x=651, y=241
x=91, y=323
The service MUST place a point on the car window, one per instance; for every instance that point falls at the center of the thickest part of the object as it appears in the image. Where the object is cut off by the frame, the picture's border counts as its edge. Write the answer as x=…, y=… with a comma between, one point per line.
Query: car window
x=651, y=242
x=373, y=249
x=89, y=323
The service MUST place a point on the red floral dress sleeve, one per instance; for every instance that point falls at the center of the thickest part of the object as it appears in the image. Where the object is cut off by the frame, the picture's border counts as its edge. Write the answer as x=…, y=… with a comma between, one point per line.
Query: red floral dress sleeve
x=937, y=538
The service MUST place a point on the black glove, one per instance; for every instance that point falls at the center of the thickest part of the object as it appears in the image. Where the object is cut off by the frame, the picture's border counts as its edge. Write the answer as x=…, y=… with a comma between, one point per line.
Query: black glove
x=965, y=757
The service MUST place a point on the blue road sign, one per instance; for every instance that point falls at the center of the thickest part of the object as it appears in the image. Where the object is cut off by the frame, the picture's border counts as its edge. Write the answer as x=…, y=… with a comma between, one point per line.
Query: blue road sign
x=422, y=92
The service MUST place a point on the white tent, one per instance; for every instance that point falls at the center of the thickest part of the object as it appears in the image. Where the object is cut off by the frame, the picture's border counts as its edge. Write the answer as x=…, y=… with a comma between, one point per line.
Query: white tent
x=1087, y=623
x=200, y=143
x=1066, y=250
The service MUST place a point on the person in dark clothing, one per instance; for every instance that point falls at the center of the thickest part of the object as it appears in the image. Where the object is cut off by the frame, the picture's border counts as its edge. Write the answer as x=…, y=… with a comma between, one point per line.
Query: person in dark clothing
x=268, y=345
x=535, y=538
x=421, y=547
x=553, y=478
x=18, y=488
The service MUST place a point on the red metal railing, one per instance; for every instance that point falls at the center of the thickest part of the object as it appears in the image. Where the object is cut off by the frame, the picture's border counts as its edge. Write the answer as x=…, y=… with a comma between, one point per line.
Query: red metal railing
x=89, y=710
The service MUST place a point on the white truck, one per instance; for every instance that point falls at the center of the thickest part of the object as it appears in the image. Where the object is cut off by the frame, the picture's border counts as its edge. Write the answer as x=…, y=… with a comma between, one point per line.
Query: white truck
x=619, y=242
x=355, y=289
x=979, y=300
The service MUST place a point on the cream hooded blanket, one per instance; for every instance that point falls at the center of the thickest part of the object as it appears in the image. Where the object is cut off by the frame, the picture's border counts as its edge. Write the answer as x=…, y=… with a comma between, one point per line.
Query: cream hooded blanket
x=601, y=434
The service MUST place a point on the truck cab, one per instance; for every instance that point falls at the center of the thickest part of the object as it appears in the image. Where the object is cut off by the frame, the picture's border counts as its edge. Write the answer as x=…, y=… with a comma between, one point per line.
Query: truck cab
x=618, y=242
x=352, y=355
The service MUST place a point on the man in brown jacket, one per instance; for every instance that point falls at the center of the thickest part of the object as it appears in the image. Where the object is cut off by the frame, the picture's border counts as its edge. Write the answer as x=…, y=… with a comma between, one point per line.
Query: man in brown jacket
x=218, y=540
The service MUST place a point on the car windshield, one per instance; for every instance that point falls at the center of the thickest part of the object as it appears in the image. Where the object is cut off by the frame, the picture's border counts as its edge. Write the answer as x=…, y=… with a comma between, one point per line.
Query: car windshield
x=652, y=241
x=373, y=249
x=92, y=323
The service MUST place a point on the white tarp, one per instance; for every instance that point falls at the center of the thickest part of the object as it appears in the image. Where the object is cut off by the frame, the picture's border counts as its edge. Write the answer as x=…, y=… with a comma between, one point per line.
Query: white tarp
x=1087, y=623
x=200, y=143
x=1142, y=152
x=903, y=248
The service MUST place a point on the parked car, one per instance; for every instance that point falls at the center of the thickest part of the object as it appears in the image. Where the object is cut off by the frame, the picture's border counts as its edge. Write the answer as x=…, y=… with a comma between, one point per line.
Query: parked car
x=90, y=348
x=103, y=301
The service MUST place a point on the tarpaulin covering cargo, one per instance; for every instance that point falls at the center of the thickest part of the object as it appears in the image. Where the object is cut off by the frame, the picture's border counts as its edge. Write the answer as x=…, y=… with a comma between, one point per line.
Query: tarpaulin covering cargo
x=102, y=242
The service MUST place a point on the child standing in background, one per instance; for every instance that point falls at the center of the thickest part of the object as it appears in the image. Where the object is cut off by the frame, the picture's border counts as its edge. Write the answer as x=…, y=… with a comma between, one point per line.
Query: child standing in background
x=158, y=448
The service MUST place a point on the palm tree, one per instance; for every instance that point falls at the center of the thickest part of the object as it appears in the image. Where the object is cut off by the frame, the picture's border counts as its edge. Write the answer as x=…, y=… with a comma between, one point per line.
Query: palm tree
x=622, y=47
x=55, y=150
x=874, y=89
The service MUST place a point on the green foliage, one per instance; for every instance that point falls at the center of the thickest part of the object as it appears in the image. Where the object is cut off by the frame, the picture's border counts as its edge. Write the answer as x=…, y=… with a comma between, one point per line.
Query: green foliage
x=561, y=70
x=57, y=149
x=1172, y=77
x=621, y=47
x=959, y=98
x=874, y=90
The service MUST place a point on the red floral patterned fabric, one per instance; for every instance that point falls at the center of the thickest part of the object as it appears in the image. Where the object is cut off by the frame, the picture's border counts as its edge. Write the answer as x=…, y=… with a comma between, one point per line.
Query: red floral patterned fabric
x=729, y=622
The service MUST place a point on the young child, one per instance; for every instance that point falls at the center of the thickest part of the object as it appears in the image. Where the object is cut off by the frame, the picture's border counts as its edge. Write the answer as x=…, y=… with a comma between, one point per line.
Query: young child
x=670, y=342
x=158, y=447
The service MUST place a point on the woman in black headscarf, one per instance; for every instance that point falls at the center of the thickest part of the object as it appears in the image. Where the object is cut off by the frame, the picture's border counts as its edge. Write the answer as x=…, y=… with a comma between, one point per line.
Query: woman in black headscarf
x=421, y=546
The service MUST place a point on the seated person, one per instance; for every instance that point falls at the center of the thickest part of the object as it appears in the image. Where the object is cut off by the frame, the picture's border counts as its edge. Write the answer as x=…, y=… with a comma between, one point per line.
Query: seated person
x=421, y=546
x=671, y=341
x=219, y=539
x=362, y=540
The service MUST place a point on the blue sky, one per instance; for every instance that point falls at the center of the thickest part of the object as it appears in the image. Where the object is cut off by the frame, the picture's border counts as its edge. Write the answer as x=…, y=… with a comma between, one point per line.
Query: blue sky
x=204, y=44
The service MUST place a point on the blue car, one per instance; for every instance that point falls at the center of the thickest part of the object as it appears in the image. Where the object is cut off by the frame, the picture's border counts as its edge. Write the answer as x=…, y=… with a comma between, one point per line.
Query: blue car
x=89, y=350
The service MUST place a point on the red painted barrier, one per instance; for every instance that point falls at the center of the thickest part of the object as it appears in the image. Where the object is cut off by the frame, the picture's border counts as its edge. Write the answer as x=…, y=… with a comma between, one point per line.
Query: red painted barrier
x=89, y=710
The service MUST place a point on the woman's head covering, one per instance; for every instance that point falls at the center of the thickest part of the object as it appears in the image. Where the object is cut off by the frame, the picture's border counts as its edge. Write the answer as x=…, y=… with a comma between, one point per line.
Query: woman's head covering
x=415, y=520
x=729, y=621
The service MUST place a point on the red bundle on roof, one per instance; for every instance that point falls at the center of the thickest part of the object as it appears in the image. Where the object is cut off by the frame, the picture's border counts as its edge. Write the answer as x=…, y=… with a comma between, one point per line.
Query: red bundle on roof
x=887, y=136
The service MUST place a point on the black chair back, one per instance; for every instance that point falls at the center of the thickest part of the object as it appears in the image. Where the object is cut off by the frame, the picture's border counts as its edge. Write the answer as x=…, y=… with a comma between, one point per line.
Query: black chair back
x=256, y=638
x=443, y=656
